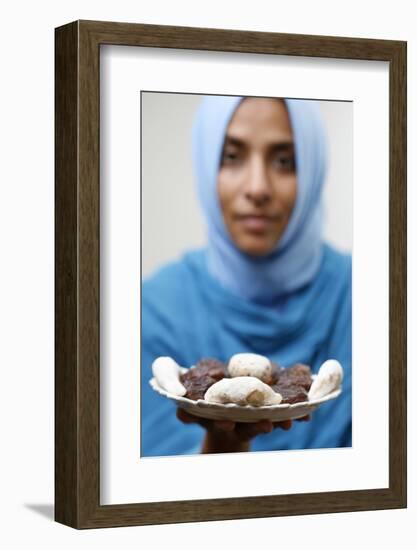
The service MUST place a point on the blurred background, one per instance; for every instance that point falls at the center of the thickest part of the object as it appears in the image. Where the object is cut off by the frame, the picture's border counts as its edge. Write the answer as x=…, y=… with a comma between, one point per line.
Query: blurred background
x=172, y=221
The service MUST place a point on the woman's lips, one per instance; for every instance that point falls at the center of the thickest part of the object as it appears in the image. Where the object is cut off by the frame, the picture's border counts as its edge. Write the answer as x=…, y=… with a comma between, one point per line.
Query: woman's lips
x=255, y=223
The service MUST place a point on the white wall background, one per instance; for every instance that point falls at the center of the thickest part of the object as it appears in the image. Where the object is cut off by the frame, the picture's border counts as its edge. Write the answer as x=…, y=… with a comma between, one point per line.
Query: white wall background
x=27, y=273
x=172, y=220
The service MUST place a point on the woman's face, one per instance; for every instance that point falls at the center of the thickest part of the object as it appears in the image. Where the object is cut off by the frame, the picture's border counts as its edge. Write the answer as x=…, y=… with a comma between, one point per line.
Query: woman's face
x=257, y=181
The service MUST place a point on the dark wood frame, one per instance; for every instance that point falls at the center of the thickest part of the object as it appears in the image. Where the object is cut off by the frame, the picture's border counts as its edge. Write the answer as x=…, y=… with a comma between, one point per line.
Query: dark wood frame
x=77, y=195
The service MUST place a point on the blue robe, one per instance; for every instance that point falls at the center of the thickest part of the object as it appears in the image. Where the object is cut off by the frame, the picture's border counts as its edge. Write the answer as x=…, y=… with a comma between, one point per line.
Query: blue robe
x=188, y=315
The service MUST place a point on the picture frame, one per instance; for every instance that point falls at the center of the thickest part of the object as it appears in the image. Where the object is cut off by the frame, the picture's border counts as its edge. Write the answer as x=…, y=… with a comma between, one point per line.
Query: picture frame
x=77, y=273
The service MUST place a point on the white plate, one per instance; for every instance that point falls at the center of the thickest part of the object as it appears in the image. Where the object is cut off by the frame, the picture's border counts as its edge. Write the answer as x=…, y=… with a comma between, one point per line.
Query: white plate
x=244, y=413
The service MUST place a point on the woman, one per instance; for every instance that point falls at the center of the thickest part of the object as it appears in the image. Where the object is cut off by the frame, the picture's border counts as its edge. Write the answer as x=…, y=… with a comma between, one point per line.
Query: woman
x=266, y=282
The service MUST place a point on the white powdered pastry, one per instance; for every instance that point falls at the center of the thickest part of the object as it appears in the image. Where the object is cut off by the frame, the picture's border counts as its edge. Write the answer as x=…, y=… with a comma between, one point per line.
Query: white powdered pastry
x=242, y=390
x=250, y=364
x=328, y=379
x=167, y=373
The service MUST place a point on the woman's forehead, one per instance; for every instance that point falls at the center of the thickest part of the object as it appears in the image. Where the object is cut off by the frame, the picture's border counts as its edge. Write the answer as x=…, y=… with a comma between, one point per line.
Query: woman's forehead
x=264, y=118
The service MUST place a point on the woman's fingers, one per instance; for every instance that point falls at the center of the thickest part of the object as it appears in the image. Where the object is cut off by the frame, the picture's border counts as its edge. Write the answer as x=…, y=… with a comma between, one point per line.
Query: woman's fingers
x=244, y=430
x=287, y=424
x=283, y=424
x=225, y=425
x=303, y=418
x=187, y=418
x=248, y=430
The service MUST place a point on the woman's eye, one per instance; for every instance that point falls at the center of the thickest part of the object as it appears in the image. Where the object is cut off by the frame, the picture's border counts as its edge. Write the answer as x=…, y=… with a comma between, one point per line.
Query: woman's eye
x=286, y=162
x=230, y=156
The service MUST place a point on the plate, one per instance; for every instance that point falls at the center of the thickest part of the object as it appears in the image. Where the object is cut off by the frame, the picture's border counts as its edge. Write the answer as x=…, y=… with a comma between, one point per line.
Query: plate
x=244, y=413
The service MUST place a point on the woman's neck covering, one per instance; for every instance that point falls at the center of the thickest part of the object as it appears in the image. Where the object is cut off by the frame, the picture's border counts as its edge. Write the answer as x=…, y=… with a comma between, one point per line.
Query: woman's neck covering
x=296, y=258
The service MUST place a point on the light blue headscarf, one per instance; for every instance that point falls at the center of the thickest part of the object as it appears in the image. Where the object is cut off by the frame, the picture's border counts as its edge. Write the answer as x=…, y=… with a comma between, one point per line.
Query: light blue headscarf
x=296, y=258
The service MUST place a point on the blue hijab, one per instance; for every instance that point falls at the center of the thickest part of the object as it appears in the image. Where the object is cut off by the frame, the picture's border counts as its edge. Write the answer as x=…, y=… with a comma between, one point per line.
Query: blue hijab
x=296, y=257
x=292, y=306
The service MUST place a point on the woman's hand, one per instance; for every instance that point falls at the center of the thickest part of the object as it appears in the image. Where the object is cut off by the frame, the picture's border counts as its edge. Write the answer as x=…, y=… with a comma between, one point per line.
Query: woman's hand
x=225, y=436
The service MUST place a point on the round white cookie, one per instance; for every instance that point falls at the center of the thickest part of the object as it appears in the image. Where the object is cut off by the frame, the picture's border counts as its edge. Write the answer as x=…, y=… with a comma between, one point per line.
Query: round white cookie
x=250, y=364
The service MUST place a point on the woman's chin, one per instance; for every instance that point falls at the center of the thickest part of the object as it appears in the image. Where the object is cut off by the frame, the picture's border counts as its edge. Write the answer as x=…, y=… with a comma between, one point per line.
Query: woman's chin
x=256, y=247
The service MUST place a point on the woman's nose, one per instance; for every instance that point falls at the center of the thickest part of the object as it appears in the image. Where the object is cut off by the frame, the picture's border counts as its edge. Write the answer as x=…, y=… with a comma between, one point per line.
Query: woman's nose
x=258, y=188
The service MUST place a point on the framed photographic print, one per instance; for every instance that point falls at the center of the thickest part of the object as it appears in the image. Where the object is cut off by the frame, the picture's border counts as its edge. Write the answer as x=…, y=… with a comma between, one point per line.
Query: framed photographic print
x=230, y=330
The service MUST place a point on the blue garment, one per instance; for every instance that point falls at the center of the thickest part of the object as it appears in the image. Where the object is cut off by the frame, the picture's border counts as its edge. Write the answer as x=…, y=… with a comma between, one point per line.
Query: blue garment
x=297, y=255
x=187, y=314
